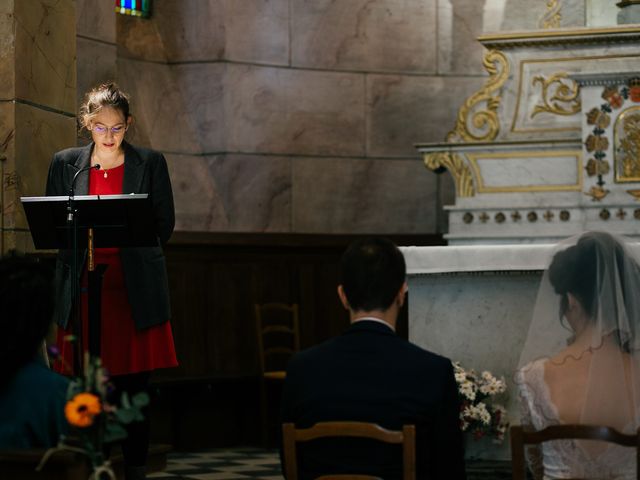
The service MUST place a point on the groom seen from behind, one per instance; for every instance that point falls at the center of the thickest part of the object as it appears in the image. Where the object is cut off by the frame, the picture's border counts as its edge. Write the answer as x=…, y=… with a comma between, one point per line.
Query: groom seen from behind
x=369, y=374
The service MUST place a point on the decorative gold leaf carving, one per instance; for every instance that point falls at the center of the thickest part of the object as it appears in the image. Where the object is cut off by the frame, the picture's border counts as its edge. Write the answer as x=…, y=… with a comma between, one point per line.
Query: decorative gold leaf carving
x=485, y=122
x=457, y=168
x=596, y=143
x=627, y=146
x=598, y=118
x=556, y=91
x=553, y=16
x=597, y=193
x=597, y=167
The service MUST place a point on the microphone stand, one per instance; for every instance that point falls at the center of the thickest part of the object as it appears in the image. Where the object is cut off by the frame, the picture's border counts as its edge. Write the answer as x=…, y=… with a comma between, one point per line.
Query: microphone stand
x=72, y=224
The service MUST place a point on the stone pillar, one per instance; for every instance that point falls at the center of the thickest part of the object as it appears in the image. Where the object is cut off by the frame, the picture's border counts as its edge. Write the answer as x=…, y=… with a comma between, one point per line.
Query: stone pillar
x=37, y=103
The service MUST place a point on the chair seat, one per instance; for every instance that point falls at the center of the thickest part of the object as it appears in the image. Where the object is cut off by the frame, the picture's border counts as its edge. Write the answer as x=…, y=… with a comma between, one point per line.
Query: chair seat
x=277, y=375
x=347, y=477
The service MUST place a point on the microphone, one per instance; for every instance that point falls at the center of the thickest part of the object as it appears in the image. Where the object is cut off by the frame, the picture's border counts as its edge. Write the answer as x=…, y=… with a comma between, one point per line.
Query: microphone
x=70, y=210
x=73, y=182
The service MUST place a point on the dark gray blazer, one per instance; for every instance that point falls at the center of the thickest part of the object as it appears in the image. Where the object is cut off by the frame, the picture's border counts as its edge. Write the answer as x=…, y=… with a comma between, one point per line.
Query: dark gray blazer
x=145, y=273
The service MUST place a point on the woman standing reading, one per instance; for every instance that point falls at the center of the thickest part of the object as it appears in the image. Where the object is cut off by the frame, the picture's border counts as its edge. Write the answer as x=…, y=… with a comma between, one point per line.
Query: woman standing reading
x=136, y=335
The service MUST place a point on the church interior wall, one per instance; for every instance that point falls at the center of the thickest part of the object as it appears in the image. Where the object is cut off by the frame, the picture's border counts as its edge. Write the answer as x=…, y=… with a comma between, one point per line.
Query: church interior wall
x=285, y=117
x=300, y=117
x=293, y=116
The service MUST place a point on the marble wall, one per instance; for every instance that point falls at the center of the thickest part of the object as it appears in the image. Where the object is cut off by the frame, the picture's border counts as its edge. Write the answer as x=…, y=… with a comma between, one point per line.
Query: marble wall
x=294, y=116
x=299, y=115
x=37, y=103
x=96, y=44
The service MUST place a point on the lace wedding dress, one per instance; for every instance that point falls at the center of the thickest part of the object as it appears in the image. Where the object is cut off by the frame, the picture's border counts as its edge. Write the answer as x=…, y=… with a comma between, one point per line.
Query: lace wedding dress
x=565, y=459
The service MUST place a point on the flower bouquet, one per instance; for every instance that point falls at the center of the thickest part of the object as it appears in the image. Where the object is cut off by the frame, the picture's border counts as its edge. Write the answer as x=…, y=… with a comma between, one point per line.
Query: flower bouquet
x=94, y=420
x=479, y=415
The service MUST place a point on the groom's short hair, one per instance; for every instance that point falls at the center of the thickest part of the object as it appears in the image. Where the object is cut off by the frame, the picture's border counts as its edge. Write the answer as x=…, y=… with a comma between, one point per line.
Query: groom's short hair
x=372, y=272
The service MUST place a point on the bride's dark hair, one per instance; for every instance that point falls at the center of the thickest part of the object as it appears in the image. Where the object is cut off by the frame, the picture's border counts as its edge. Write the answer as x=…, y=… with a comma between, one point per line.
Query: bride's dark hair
x=597, y=259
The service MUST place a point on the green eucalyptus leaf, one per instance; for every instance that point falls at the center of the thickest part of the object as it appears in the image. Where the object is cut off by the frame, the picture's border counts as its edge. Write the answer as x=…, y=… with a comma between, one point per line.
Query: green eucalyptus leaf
x=126, y=415
x=141, y=399
x=114, y=432
x=125, y=401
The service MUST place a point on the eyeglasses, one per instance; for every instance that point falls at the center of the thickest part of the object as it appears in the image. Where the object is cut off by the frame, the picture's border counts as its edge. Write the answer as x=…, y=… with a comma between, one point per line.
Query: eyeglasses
x=102, y=130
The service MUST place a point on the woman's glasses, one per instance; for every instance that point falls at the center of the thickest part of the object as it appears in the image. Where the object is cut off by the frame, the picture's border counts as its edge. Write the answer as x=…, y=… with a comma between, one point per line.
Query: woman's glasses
x=102, y=130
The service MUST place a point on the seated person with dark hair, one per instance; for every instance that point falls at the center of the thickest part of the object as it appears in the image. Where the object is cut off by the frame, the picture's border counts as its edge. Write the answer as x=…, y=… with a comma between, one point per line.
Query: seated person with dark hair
x=369, y=374
x=32, y=397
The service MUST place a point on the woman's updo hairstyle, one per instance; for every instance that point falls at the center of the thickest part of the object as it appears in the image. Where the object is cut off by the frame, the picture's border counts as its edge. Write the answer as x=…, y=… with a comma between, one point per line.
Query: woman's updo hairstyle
x=581, y=268
x=104, y=95
x=573, y=270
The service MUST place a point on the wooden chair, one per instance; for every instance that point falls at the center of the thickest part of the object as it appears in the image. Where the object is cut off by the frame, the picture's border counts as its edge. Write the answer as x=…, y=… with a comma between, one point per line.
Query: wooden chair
x=521, y=437
x=292, y=435
x=278, y=335
x=278, y=330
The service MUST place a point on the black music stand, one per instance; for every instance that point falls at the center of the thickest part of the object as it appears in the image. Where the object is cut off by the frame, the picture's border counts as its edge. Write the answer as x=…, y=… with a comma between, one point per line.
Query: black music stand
x=96, y=221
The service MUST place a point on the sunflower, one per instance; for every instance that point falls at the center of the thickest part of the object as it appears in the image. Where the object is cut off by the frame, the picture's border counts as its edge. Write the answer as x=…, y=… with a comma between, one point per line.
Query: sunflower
x=81, y=409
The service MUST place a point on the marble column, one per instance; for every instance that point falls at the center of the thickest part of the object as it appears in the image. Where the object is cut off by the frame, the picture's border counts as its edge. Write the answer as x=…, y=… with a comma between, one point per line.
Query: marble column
x=37, y=103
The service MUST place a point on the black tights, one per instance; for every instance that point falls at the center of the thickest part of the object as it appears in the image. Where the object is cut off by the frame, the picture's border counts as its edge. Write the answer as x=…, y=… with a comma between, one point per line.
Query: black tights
x=136, y=446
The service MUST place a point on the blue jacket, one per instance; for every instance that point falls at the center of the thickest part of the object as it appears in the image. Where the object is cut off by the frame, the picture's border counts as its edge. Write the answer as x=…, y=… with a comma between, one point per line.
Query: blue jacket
x=32, y=408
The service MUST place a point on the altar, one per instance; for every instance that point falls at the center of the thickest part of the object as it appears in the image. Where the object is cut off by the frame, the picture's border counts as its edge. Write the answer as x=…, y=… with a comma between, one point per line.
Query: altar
x=546, y=149
x=473, y=305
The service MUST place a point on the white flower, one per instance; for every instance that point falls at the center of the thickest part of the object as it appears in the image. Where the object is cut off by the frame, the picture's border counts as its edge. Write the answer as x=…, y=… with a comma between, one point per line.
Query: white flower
x=477, y=416
x=468, y=389
x=460, y=376
x=491, y=388
x=469, y=412
x=482, y=413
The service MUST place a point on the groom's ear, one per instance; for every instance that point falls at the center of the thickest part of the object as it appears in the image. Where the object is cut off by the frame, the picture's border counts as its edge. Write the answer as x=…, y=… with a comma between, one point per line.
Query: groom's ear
x=343, y=298
x=402, y=294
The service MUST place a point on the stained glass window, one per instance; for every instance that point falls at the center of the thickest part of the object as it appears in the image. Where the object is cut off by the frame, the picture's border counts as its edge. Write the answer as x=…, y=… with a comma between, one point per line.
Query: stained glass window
x=136, y=8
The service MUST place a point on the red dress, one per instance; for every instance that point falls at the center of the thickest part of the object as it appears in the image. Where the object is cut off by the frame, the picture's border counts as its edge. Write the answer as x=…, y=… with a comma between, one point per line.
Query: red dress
x=124, y=349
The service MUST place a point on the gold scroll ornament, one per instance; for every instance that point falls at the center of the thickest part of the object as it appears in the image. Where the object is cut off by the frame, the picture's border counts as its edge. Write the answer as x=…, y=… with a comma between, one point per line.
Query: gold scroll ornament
x=560, y=96
x=485, y=121
x=553, y=15
x=457, y=167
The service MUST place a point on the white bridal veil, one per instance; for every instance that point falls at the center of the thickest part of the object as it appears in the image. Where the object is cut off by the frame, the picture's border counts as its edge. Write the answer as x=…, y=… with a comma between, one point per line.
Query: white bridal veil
x=581, y=359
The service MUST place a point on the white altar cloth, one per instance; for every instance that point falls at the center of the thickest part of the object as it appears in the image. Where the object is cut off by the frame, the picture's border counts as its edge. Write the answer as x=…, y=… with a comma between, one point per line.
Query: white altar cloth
x=476, y=258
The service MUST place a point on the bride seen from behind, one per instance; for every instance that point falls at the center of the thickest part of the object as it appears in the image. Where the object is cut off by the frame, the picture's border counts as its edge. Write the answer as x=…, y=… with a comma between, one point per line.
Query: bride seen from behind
x=581, y=359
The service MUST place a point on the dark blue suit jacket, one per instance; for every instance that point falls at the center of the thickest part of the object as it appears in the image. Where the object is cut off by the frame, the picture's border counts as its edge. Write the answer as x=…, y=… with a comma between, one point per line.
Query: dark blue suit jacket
x=369, y=374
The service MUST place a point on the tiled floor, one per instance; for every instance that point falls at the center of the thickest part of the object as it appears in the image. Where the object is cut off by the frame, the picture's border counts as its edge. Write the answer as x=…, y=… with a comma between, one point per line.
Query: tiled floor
x=221, y=465
x=238, y=463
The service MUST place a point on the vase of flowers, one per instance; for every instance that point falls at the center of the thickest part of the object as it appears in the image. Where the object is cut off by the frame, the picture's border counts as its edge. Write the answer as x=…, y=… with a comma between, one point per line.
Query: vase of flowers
x=95, y=420
x=480, y=415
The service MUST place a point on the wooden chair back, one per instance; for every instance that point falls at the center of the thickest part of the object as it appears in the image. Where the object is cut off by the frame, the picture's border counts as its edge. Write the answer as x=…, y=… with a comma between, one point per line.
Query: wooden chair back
x=292, y=435
x=278, y=328
x=521, y=437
